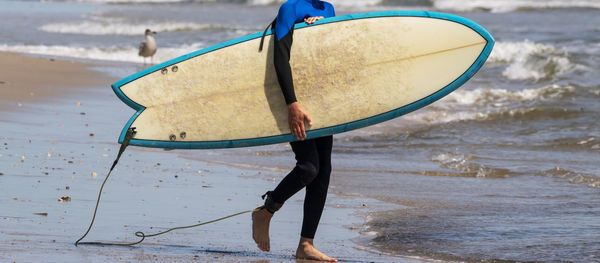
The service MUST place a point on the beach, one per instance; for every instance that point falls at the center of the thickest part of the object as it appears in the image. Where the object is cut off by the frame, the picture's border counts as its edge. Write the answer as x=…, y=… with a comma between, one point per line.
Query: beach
x=27, y=80
x=58, y=140
x=504, y=169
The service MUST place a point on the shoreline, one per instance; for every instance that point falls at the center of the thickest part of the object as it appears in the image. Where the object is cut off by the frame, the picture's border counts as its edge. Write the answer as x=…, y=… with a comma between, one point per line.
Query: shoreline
x=62, y=145
x=502, y=169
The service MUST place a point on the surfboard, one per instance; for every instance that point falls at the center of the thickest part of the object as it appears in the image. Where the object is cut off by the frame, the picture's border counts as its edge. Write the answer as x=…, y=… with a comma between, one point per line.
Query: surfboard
x=349, y=72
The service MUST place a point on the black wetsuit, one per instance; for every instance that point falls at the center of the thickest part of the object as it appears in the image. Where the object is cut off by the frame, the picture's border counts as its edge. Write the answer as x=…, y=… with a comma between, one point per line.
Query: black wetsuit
x=313, y=157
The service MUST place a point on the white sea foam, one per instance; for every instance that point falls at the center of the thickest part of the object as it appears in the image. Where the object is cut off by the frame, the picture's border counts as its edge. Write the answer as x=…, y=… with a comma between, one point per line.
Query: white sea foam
x=136, y=1
x=500, y=6
x=371, y=233
x=449, y=157
x=354, y=3
x=442, y=116
x=264, y=2
x=336, y=3
x=485, y=103
x=125, y=54
x=122, y=28
x=500, y=97
x=460, y=5
x=451, y=5
x=530, y=60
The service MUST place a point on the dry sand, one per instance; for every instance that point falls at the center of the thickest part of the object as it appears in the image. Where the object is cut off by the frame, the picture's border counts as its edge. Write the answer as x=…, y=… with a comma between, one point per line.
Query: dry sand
x=28, y=79
x=59, y=124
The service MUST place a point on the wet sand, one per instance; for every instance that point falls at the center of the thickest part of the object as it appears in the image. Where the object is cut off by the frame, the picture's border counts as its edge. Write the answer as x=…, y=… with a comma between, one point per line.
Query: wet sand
x=60, y=121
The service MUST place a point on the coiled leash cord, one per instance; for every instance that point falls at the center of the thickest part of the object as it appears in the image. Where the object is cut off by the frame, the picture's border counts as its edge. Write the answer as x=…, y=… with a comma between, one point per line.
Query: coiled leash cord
x=140, y=234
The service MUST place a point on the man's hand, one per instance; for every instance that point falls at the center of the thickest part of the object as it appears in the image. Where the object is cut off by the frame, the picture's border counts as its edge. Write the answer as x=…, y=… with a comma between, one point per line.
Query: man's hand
x=296, y=119
x=310, y=20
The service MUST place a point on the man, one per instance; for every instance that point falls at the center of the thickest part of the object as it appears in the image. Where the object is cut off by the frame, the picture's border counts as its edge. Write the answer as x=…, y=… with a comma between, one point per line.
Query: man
x=313, y=166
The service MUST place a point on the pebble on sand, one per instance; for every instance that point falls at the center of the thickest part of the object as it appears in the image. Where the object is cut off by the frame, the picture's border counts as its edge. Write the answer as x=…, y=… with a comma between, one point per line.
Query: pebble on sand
x=94, y=174
x=64, y=199
x=41, y=214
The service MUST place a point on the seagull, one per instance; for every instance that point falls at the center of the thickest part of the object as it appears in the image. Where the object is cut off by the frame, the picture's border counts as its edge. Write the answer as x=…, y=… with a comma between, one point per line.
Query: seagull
x=148, y=46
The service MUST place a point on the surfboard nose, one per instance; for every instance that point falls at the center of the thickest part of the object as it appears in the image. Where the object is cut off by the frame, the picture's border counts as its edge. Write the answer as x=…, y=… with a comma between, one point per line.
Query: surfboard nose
x=484, y=33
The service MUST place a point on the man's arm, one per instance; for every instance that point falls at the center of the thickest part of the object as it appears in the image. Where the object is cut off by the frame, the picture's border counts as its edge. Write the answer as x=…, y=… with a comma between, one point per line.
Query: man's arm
x=296, y=116
x=283, y=45
x=283, y=69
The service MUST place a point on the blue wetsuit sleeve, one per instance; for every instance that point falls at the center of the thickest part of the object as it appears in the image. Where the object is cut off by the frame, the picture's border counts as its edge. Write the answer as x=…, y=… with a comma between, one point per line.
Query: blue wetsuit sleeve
x=284, y=31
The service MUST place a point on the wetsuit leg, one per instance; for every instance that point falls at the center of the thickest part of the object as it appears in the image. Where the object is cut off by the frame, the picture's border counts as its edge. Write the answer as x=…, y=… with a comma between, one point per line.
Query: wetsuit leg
x=316, y=191
x=307, y=168
x=313, y=168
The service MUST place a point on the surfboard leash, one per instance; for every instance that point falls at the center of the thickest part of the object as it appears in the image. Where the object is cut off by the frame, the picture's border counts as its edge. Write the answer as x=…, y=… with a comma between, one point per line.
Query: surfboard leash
x=128, y=135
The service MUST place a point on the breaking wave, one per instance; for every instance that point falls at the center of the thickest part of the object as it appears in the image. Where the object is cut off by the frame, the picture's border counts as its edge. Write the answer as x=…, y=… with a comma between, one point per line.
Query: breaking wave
x=113, y=53
x=486, y=104
x=449, y=5
x=574, y=177
x=336, y=3
x=529, y=60
x=120, y=28
x=467, y=166
x=522, y=114
x=500, y=97
x=510, y=5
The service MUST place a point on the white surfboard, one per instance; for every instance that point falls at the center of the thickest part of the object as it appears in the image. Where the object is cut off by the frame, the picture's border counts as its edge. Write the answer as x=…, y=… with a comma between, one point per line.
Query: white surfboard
x=349, y=72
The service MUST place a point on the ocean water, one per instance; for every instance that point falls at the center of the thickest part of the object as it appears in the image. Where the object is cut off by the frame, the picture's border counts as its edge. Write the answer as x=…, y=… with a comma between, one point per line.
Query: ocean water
x=506, y=168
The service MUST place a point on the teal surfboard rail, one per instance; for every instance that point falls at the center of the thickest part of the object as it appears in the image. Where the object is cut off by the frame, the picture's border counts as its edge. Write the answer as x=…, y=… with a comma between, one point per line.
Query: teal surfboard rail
x=312, y=133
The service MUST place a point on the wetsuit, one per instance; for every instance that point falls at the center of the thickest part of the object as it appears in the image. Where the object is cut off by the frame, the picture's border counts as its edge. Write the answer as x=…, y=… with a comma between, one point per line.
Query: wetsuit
x=313, y=157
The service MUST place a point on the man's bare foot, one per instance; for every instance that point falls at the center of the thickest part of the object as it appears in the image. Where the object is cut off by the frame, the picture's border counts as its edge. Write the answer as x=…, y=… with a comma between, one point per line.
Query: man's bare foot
x=306, y=250
x=260, y=228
